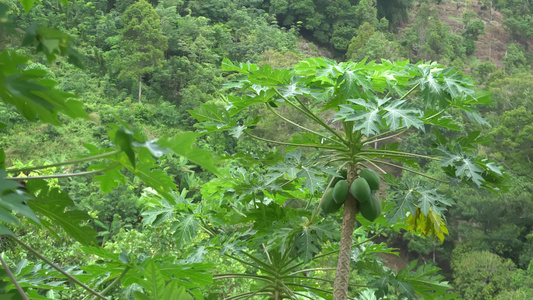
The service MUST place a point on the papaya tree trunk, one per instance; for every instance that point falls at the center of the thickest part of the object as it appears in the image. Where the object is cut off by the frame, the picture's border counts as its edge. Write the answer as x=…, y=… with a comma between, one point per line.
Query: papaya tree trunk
x=342, y=276
x=140, y=87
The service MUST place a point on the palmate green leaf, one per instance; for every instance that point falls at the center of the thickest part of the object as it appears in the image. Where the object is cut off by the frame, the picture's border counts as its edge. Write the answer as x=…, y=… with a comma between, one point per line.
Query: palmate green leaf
x=425, y=281
x=190, y=276
x=157, y=179
x=52, y=42
x=309, y=240
x=13, y=200
x=154, y=281
x=28, y=4
x=456, y=85
x=405, y=201
x=434, y=118
x=53, y=204
x=370, y=251
x=182, y=144
x=261, y=75
x=398, y=115
x=5, y=231
x=466, y=167
x=474, y=116
x=443, y=86
x=210, y=112
x=32, y=93
x=185, y=228
x=294, y=88
x=298, y=166
x=164, y=279
x=172, y=291
x=110, y=179
x=101, y=252
x=244, y=68
x=2, y=158
x=124, y=139
x=353, y=83
x=158, y=215
x=153, y=147
x=411, y=282
x=319, y=69
x=410, y=195
x=307, y=243
x=237, y=104
x=470, y=171
x=372, y=115
x=365, y=114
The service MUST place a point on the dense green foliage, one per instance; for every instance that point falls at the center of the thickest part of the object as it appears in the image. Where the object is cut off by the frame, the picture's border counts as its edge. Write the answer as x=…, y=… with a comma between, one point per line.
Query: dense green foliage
x=160, y=154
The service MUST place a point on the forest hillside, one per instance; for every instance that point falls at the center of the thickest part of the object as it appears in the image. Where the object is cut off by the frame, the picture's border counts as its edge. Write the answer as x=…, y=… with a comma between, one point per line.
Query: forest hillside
x=266, y=149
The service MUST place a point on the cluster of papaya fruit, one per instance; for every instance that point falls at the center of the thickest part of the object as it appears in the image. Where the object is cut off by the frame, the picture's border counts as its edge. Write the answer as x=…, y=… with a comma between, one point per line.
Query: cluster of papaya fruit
x=363, y=189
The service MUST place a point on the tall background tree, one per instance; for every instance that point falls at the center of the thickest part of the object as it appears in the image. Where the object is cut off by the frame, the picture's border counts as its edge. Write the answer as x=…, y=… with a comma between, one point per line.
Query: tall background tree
x=143, y=42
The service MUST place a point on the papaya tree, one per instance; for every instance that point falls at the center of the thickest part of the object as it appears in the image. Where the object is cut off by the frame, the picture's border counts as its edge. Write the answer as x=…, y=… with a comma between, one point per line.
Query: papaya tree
x=359, y=111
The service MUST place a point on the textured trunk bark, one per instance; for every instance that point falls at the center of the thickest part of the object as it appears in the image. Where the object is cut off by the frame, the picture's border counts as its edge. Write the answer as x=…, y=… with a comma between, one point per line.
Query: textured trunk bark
x=342, y=276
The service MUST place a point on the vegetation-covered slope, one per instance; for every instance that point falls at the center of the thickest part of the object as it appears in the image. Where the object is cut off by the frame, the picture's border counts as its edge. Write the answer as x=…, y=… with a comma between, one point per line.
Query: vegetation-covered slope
x=153, y=74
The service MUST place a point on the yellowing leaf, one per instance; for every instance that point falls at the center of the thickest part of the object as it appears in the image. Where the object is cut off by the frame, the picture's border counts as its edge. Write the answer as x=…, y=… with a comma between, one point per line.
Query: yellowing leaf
x=430, y=225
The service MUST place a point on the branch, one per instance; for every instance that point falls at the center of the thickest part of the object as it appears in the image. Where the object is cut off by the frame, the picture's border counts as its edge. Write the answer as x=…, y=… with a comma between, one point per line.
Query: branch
x=238, y=275
x=410, y=170
x=322, y=123
x=291, y=144
x=53, y=265
x=300, y=126
x=116, y=281
x=310, y=114
x=377, y=138
x=69, y=162
x=65, y=175
x=13, y=279
x=314, y=269
x=398, y=154
x=372, y=163
x=253, y=293
x=308, y=287
x=438, y=113
x=410, y=91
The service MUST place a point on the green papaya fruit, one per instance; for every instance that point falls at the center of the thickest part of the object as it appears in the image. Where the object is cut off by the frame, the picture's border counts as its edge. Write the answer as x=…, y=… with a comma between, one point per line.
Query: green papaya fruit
x=360, y=190
x=371, y=177
x=328, y=204
x=340, y=192
x=372, y=209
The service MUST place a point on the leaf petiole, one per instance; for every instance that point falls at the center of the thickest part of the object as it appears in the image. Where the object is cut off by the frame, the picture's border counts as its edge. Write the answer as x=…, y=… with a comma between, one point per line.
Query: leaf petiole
x=292, y=144
x=13, y=279
x=410, y=170
x=379, y=137
x=397, y=153
x=53, y=265
x=65, y=175
x=69, y=162
x=301, y=127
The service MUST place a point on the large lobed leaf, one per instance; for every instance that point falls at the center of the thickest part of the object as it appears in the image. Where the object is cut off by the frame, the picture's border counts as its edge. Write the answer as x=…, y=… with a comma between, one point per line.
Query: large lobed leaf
x=32, y=93
x=56, y=206
x=422, y=205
